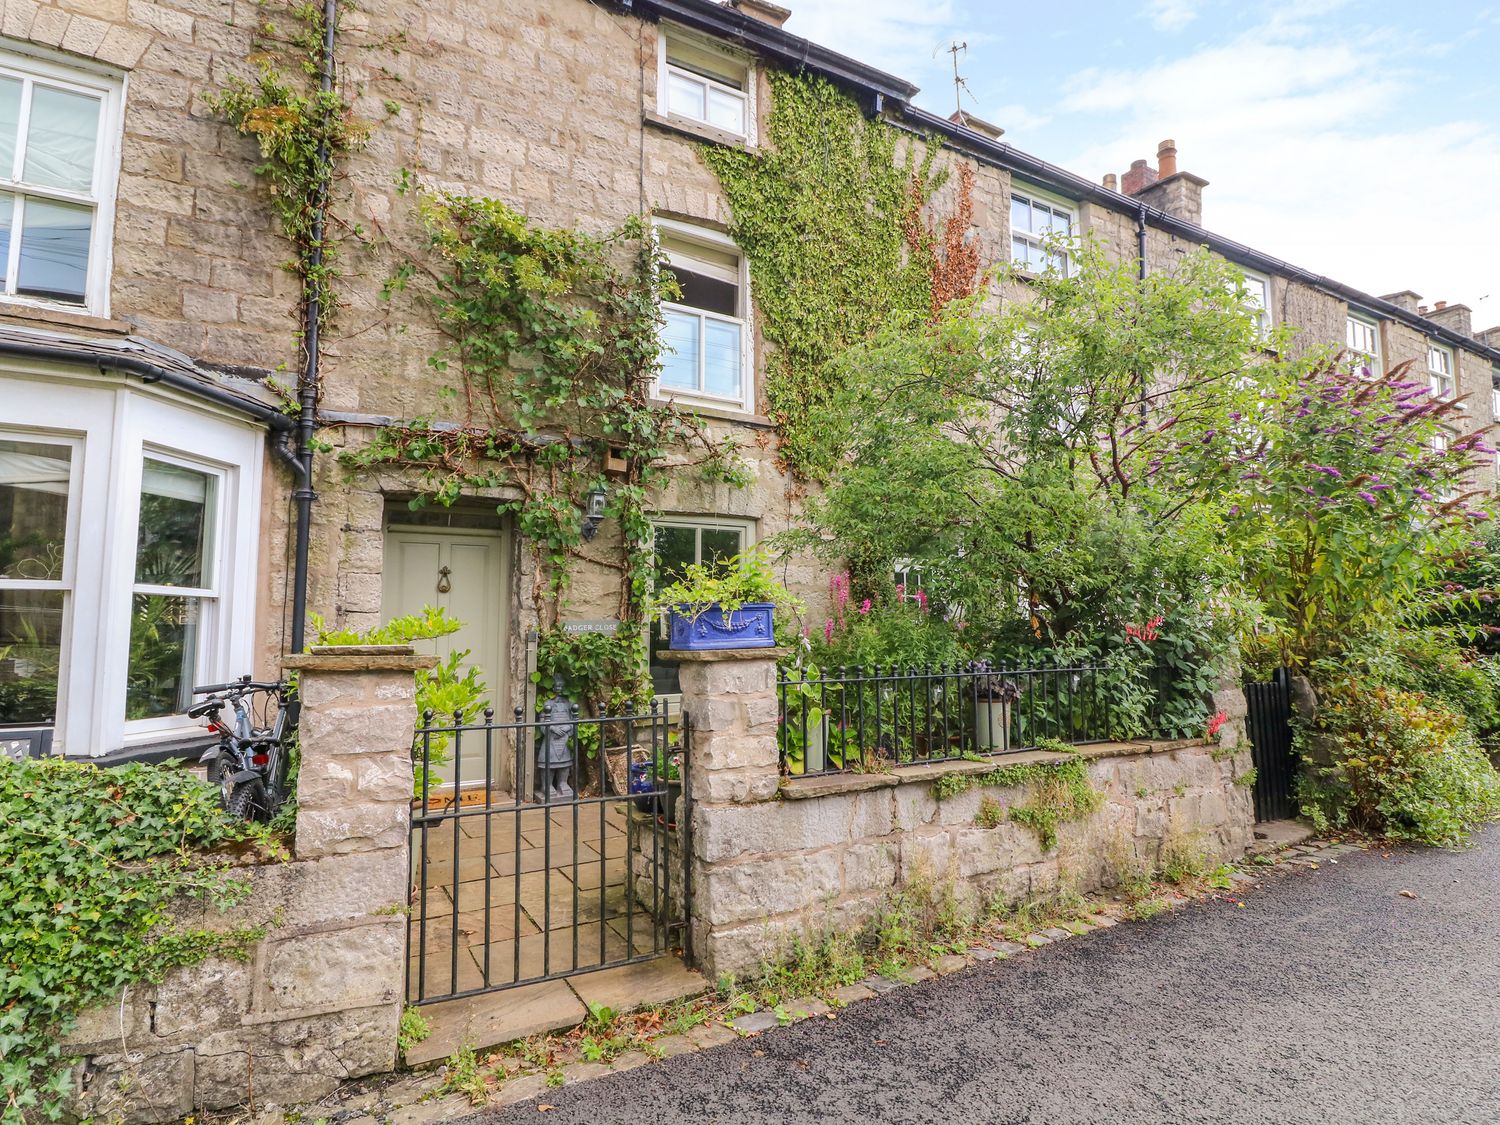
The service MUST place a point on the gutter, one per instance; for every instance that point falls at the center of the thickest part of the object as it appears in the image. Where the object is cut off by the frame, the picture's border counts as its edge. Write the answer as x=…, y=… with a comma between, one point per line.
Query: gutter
x=152, y=373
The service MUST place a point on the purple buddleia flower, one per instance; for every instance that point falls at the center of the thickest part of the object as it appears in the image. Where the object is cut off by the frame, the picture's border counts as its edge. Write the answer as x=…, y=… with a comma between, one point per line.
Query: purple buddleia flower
x=1367, y=497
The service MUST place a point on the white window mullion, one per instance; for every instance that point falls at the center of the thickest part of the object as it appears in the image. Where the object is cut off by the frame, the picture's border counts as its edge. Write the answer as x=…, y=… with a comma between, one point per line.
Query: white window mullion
x=23, y=130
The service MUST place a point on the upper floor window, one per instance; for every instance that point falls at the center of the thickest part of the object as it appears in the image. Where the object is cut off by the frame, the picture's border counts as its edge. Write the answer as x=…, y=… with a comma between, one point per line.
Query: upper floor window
x=1035, y=225
x=1258, y=301
x=1495, y=396
x=59, y=140
x=705, y=353
x=1440, y=369
x=704, y=85
x=1362, y=338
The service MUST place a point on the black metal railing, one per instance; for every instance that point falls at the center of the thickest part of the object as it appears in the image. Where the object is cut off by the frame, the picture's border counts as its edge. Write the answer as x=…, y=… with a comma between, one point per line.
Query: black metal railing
x=515, y=879
x=854, y=719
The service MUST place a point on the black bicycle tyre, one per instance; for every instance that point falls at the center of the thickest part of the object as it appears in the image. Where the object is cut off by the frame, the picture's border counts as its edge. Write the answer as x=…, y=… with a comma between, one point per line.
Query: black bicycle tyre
x=247, y=801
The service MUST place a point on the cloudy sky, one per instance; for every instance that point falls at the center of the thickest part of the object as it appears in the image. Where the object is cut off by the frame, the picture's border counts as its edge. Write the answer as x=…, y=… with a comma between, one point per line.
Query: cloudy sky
x=1356, y=139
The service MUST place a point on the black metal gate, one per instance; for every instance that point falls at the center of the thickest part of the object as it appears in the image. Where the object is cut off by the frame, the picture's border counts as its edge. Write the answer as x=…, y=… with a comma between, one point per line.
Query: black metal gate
x=514, y=880
x=1270, y=721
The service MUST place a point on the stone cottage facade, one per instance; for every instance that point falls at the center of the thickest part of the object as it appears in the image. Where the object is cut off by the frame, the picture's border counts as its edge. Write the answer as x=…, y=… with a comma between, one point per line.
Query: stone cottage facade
x=147, y=465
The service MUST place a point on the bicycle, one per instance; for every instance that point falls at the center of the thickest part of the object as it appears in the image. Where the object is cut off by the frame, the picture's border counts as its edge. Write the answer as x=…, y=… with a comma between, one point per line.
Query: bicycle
x=250, y=763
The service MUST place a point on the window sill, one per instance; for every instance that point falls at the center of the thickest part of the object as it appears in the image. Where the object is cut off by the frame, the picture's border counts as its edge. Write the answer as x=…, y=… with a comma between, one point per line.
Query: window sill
x=167, y=747
x=60, y=318
x=719, y=413
x=695, y=130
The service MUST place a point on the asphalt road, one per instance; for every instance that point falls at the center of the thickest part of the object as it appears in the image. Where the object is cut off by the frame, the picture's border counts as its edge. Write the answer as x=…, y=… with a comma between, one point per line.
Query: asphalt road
x=1328, y=997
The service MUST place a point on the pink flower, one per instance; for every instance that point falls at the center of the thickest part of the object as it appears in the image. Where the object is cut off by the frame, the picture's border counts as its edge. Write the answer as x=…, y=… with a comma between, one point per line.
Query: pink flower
x=828, y=631
x=900, y=591
x=864, y=606
x=922, y=599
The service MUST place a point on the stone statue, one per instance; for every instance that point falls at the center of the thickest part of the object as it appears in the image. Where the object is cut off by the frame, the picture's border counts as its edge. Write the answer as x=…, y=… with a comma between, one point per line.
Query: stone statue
x=554, y=757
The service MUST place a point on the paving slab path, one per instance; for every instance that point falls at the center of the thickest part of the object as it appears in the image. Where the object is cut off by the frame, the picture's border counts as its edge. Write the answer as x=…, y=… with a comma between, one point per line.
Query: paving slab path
x=1328, y=997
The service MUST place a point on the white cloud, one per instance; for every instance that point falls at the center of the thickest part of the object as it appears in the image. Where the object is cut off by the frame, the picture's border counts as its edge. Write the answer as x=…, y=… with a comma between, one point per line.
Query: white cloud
x=890, y=34
x=1296, y=135
x=1016, y=118
x=1171, y=15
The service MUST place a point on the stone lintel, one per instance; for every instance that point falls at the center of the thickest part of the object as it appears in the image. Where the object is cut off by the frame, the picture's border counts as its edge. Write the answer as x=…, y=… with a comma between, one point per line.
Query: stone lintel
x=717, y=655
x=359, y=658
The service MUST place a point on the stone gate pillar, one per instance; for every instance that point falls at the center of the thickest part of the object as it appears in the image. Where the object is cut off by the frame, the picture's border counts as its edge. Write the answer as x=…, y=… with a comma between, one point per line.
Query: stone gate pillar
x=729, y=700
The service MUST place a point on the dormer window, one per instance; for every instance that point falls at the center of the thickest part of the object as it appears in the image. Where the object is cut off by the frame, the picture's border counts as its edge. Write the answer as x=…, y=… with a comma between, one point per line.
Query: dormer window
x=704, y=85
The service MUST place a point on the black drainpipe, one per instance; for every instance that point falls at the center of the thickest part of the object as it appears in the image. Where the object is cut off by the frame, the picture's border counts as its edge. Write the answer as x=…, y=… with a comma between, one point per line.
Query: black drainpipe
x=1140, y=274
x=1140, y=242
x=307, y=418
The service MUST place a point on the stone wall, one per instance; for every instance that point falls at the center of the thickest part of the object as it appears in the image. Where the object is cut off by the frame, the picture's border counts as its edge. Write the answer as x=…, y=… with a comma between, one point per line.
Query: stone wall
x=776, y=858
x=318, y=1000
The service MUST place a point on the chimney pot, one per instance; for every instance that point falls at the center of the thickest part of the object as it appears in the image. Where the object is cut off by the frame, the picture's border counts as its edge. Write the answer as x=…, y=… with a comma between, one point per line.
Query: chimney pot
x=1140, y=177
x=1110, y=181
x=1440, y=305
x=1422, y=309
x=1166, y=158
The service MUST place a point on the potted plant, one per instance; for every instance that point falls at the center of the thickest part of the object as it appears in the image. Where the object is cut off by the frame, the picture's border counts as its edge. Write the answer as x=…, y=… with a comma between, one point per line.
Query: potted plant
x=993, y=696
x=723, y=605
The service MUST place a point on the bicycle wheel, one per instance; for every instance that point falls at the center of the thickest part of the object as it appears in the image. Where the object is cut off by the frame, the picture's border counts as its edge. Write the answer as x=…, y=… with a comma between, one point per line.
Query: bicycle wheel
x=247, y=801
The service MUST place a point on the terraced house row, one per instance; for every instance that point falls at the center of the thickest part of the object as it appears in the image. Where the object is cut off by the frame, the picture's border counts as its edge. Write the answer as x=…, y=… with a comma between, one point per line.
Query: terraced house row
x=152, y=472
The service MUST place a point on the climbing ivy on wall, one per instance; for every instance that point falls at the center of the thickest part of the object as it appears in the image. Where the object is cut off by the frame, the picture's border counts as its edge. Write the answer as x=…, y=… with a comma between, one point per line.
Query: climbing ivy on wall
x=95, y=862
x=823, y=212
x=303, y=132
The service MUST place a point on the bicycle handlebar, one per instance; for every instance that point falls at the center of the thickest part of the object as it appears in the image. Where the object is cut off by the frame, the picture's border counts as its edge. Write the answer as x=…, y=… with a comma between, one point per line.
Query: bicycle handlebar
x=243, y=685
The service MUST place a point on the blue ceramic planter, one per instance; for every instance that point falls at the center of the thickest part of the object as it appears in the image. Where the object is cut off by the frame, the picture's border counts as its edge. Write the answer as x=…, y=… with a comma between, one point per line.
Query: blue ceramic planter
x=747, y=627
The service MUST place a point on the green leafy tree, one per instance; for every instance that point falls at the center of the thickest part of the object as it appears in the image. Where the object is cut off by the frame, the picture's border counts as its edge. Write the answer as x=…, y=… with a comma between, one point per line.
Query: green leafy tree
x=1036, y=457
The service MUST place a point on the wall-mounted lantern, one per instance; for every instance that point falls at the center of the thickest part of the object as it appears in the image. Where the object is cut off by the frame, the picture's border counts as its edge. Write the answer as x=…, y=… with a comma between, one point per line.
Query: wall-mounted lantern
x=594, y=509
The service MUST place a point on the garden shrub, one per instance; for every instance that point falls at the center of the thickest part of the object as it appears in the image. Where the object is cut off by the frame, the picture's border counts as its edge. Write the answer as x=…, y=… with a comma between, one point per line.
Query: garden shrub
x=1398, y=764
x=93, y=860
x=1436, y=661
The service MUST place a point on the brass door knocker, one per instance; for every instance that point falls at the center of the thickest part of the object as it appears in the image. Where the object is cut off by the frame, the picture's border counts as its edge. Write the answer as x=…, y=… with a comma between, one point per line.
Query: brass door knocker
x=444, y=585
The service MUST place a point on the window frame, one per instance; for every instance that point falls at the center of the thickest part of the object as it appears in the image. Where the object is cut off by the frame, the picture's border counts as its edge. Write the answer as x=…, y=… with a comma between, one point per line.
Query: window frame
x=1435, y=377
x=209, y=597
x=1057, y=206
x=115, y=428
x=67, y=584
x=669, y=34
x=1375, y=359
x=30, y=66
x=710, y=239
x=1264, y=321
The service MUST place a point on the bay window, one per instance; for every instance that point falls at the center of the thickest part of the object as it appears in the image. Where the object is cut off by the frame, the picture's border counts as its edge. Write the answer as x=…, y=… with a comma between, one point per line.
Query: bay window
x=59, y=159
x=129, y=524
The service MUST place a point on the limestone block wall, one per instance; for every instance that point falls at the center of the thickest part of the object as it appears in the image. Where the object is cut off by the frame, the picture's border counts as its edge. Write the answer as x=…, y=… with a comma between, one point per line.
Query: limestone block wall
x=776, y=858
x=317, y=1001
